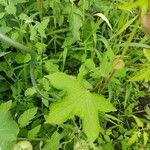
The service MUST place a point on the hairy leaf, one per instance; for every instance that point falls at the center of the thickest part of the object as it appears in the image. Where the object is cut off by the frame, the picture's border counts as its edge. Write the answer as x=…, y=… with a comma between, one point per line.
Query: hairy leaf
x=78, y=101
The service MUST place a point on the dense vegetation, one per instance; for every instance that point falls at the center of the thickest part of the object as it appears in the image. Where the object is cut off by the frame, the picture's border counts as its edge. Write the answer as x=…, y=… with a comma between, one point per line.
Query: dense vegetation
x=92, y=62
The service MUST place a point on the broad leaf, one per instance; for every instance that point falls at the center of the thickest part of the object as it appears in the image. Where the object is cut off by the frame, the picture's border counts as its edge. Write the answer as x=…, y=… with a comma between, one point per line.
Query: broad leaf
x=11, y=9
x=143, y=74
x=27, y=116
x=78, y=101
x=8, y=130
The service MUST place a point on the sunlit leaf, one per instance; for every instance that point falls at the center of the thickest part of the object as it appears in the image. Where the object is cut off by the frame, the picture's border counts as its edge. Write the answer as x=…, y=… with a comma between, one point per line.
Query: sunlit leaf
x=23, y=145
x=134, y=138
x=77, y=101
x=8, y=130
x=11, y=9
x=6, y=106
x=143, y=74
x=145, y=137
x=27, y=116
x=53, y=143
x=33, y=133
x=138, y=121
x=147, y=54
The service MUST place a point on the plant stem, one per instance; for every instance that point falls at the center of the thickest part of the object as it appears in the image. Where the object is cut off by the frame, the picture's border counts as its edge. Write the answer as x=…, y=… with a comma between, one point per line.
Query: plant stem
x=100, y=87
x=107, y=80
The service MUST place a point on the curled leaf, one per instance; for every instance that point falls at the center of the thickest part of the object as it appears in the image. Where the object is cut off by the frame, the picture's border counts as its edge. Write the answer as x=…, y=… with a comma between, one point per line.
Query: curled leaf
x=104, y=18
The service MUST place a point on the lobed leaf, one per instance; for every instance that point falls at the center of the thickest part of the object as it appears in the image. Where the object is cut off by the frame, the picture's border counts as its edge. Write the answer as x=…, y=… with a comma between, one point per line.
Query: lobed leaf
x=77, y=102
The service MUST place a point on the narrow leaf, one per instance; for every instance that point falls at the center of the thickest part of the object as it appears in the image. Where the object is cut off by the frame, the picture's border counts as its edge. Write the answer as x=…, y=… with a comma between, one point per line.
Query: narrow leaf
x=104, y=18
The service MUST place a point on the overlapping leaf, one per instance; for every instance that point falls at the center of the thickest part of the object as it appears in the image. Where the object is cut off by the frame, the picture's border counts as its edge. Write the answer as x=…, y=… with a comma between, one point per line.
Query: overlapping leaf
x=78, y=101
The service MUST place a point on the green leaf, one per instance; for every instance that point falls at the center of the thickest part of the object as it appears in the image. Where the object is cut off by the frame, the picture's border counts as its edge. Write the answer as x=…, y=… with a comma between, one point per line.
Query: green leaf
x=27, y=116
x=23, y=145
x=147, y=110
x=4, y=86
x=42, y=26
x=78, y=101
x=45, y=102
x=75, y=24
x=21, y=58
x=6, y=106
x=147, y=54
x=33, y=31
x=11, y=9
x=30, y=91
x=5, y=29
x=53, y=143
x=40, y=47
x=104, y=18
x=8, y=130
x=89, y=63
x=2, y=15
x=125, y=26
x=143, y=74
x=138, y=121
x=4, y=53
x=50, y=67
x=134, y=138
x=33, y=133
x=145, y=137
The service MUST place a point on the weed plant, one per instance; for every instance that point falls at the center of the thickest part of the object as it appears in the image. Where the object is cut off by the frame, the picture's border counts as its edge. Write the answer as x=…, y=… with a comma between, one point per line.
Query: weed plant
x=92, y=59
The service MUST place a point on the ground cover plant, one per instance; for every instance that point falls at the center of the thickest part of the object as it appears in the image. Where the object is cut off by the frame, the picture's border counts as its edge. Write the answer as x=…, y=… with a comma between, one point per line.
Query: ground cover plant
x=74, y=75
